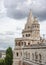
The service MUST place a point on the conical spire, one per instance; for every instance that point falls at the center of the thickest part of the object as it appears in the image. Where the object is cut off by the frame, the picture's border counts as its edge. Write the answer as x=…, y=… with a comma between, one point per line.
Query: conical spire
x=30, y=17
x=29, y=20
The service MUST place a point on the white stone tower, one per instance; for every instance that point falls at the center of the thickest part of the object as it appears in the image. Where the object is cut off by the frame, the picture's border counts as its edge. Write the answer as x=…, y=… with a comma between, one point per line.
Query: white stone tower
x=30, y=35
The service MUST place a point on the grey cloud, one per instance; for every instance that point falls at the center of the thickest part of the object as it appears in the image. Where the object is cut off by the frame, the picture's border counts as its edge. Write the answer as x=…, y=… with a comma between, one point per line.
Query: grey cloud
x=7, y=33
x=17, y=14
x=19, y=9
x=16, y=8
x=40, y=15
x=6, y=41
x=13, y=3
x=39, y=9
x=10, y=33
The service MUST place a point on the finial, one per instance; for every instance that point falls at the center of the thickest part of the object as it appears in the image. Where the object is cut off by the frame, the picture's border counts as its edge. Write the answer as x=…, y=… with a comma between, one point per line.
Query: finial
x=35, y=19
x=30, y=14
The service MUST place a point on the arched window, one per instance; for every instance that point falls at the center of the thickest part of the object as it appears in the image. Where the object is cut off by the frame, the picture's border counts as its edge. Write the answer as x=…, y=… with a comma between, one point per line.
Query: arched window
x=32, y=56
x=25, y=43
x=17, y=54
x=28, y=43
x=36, y=56
x=19, y=43
x=23, y=35
x=22, y=43
x=28, y=55
x=27, y=35
x=40, y=57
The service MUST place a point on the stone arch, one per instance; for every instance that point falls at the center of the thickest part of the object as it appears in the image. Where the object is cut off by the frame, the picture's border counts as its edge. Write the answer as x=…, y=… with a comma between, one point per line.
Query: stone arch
x=17, y=54
x=36, y=56
x=40, y=56
x=32, y=56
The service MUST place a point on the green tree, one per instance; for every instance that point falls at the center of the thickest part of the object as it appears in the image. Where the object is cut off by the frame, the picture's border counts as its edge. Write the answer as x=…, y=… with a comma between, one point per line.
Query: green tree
x=2, y=62
x=9, y=56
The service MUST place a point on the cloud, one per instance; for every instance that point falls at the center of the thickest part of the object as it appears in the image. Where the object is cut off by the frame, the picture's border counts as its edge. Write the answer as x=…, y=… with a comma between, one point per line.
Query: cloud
x=10, y=28
x=39, y=9
x=6, y=41
x=2, y=9
x=16, y=8
x=19, y=9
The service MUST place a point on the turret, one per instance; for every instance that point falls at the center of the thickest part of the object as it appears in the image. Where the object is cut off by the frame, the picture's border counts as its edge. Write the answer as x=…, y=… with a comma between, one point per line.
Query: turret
x=27, y=30
x=29, y=22
x=36, y=29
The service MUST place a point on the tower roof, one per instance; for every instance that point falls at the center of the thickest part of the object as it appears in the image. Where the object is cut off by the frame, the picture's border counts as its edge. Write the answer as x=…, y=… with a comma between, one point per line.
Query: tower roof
x=29, y=21
x=30, y=18
x=35, y=20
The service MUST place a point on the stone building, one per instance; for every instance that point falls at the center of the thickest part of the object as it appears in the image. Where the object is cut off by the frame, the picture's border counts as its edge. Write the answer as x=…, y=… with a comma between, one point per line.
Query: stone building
x=31, y=48
x=2, y=54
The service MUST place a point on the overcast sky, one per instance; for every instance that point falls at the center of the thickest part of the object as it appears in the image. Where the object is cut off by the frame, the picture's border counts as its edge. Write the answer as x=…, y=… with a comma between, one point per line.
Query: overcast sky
x=13, y=16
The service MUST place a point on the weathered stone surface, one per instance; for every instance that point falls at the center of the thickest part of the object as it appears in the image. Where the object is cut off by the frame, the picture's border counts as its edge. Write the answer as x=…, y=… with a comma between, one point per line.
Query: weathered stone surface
x=31, y=48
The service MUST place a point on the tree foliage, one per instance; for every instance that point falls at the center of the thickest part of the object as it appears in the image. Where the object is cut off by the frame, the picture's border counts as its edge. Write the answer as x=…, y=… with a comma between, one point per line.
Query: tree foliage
x=2, y=62
x=9, y=56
